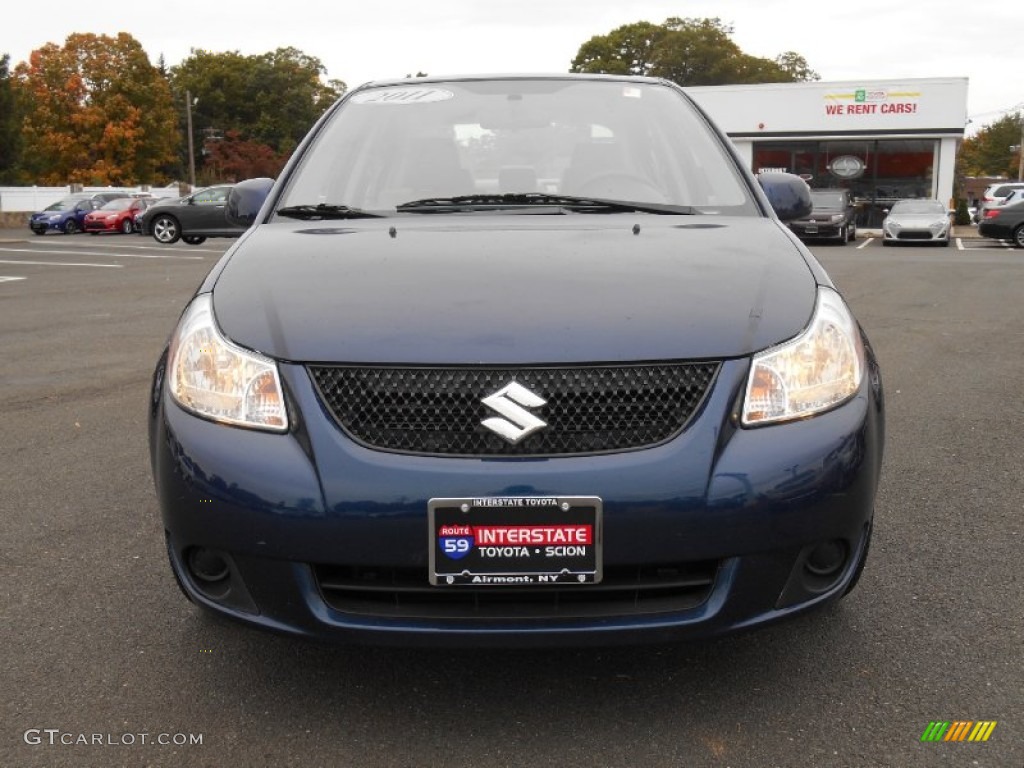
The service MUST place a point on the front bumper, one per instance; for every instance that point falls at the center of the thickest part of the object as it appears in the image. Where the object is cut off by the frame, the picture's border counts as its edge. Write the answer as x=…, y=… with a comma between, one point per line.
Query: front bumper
x=297, y=515
x=40, y=226
x=908, y=235
x=820, y=230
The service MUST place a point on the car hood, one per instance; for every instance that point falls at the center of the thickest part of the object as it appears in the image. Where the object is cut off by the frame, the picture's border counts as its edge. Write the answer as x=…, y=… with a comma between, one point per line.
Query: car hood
x=485, y=289
x=916, y=219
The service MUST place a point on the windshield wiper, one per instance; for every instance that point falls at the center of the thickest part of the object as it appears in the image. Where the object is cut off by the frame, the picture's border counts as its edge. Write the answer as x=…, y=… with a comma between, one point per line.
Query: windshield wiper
x=325, y=211
x=577, y=204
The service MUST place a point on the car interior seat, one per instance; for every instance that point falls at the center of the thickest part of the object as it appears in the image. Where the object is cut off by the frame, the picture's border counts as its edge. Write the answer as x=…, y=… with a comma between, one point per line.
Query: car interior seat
x=433, y=169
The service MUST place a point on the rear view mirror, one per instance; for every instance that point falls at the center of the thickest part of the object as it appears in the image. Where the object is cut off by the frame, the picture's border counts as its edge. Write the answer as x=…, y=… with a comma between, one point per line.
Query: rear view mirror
x=789, y=195
x=245, y=200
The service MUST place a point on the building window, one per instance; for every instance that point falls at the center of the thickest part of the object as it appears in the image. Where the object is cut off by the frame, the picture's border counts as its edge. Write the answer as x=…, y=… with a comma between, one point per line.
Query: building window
x=878, y=172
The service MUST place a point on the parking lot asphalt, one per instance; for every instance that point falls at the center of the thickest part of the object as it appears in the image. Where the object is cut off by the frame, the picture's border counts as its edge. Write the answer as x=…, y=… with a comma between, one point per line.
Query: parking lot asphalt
x=104, y=659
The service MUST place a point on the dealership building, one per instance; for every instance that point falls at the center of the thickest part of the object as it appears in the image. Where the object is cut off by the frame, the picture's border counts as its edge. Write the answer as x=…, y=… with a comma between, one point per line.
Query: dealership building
x=884, y=140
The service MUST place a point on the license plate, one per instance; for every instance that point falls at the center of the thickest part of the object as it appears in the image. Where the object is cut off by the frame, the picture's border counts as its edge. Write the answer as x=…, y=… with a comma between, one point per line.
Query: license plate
x=515, y=541
x=812, y=229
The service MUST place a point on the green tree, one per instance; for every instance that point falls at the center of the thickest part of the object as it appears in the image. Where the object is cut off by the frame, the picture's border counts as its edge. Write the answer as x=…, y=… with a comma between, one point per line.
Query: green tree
x=627, y=50
x=269, y=100
x=10, y=124
x=98, y=113
x=988, y=153
x=687, y=51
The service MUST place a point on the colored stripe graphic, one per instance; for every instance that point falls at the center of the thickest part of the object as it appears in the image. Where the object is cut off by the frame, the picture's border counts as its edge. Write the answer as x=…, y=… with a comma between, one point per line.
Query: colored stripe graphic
x=982, y=730
x=959, y=730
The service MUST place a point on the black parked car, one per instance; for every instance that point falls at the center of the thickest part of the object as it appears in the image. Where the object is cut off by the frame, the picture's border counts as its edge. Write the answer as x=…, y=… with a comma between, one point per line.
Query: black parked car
x=832, y=217
x=516, y=361
x=1004, y=223
x=192, y=218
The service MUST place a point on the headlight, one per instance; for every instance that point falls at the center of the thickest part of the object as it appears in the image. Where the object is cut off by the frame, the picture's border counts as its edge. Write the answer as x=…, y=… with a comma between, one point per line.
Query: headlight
x=212, y=377
x=819, y=369
x=836, y=218
x=938, y=227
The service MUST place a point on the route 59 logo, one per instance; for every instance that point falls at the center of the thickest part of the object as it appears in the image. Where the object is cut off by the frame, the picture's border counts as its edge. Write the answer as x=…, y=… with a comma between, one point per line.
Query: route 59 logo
x=456, y=541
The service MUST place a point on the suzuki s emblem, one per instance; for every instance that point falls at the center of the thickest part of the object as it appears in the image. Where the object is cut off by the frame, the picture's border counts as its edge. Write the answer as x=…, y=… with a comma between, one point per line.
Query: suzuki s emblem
x=511, y=401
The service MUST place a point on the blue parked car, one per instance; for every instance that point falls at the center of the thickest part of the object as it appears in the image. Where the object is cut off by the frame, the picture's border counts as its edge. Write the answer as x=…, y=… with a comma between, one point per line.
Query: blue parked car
x=66, y=215
x=516, y=361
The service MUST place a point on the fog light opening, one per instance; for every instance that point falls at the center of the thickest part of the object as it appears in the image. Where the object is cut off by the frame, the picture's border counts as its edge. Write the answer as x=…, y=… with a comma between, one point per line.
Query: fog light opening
x=208, y=566
x=826, y=559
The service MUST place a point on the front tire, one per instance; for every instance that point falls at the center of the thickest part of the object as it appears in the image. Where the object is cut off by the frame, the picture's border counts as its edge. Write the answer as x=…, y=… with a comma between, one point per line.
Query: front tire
x=166, y=230
x=70, y=227
x=126, y=227
x=1018, y=237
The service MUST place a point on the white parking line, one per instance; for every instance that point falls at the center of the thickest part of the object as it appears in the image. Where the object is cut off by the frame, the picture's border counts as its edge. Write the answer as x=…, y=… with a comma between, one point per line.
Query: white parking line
x=105, y=254
x=866, y=243
x=58, y=264
x=55, y=242
x=988, y=245
x=5, y=279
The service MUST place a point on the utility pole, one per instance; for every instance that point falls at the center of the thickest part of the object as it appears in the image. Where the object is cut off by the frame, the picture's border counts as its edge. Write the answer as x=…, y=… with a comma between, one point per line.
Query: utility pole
x=191, y=150
x=1020, y=150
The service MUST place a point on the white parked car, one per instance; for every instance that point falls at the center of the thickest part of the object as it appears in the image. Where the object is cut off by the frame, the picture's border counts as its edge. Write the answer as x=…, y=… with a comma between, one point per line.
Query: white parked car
x=996, y=194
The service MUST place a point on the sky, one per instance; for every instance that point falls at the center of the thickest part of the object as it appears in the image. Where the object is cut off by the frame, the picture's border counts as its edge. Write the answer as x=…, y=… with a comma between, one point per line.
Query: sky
x=381, y=39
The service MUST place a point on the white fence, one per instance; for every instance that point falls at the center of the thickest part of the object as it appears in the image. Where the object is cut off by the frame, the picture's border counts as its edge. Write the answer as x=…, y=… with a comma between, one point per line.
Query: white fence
x=31, y=199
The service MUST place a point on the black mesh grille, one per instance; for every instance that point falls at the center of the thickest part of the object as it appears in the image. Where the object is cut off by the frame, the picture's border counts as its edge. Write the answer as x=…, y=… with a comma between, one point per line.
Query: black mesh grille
x=624, y=591
x=439, y=411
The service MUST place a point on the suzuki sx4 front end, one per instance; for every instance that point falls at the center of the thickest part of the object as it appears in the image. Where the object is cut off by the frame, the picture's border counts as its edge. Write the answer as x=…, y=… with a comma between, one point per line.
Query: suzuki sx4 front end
x=516, y=361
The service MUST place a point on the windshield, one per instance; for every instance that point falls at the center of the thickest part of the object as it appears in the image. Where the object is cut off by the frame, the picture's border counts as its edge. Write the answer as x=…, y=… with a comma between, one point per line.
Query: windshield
x=62, y=205
x=828, y=199
x=120, y=204
x=613, y=140
x=919, y=206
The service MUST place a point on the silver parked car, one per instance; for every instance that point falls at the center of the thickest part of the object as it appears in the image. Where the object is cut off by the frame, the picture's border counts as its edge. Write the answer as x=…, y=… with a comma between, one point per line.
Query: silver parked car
x=917, y=221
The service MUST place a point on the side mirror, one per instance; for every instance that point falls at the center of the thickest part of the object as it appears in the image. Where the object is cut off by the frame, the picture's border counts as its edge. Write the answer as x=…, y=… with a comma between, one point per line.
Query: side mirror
x=789, y=195
x=245, y=200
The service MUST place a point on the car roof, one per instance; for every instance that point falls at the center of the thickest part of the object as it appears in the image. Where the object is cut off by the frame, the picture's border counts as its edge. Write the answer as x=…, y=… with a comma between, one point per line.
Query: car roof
x=1003, y=188
x=512, y=76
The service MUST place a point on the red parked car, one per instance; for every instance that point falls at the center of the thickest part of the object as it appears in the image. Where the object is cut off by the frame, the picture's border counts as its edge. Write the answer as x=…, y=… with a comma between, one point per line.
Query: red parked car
x=116, y=216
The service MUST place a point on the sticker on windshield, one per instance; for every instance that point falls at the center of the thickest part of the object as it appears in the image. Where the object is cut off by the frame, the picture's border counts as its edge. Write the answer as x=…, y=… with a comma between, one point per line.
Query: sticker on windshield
x=630, y=92
x=404, y=94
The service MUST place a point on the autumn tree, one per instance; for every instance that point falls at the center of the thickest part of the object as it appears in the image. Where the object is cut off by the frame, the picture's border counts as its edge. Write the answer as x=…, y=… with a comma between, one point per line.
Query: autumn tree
x=988, y=152
x=687, y=51
x=267, y=101
x=233, y=158
x=10, y=125
x=100, y=113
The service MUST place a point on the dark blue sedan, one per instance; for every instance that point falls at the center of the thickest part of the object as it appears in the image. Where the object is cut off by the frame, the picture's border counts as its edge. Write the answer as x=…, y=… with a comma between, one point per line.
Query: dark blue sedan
x=516, y=361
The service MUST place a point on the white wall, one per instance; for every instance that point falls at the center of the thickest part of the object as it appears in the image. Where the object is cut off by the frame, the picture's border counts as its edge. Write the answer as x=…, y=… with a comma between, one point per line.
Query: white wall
x=32, y=199
x=829, y=110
